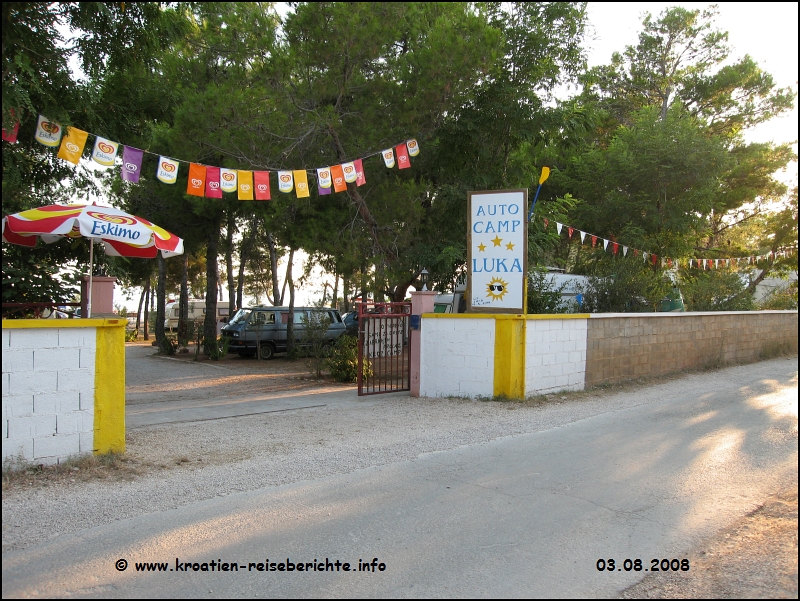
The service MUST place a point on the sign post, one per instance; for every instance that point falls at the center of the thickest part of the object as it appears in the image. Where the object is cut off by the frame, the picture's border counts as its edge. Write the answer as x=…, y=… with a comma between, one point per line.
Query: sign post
x=497, y=251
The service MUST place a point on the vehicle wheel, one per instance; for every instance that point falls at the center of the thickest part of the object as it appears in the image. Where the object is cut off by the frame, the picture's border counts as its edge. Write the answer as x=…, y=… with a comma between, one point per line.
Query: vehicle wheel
x=267, y=351
x=327, y=348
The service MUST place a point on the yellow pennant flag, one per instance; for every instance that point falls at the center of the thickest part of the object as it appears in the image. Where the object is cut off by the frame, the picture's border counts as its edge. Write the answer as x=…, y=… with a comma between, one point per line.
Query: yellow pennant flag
x=245, y=179
x=301, y=183
x=72, y=145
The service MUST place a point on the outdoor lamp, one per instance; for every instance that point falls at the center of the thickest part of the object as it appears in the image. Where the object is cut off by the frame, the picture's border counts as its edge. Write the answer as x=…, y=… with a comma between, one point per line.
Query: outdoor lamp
x=424, y=277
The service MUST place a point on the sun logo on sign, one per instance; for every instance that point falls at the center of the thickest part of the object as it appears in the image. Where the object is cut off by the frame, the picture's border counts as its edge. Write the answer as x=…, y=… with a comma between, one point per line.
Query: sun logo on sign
x=496, y=289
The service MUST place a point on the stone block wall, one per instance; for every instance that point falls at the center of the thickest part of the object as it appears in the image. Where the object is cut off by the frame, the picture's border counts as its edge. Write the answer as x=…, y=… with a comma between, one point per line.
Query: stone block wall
x=626, y=346
x=457, y=356
x=63, y=388
x=555, y=355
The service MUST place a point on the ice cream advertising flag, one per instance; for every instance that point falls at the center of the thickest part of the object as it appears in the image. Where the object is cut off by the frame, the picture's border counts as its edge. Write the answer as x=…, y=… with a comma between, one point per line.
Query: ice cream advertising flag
x=196, y=185
x=337, y=174
x=360, y=178
x=105, y=152
x=167, y=170
x=285, y=183
x=301, y=183
x=213, y=188
x=324, y=182
x=245, y=179
x=413, y=147
x=72, y=145
x=388, y=158
x=131, y=164
x=349, y=170
x=403, y=162
x=262, y=185
x=48, y=132
x=227, y=180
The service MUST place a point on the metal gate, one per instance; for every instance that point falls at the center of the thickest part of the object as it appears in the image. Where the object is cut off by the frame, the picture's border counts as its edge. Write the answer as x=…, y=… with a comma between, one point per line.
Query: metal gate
x=384, y=352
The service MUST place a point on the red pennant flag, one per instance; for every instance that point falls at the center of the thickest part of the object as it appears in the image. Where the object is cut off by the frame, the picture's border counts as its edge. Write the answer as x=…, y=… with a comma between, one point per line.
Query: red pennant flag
x=213, y=189
x=360, y=180
x=654, y=258
x=594, y=241
x=337, y=175
x=635, y=252
x=11, y=136
x=569, y=231
x=403, y=162
x=546, y=222
x=616, y=247
x=669, y=262
x=196, y=184
x=262, y=184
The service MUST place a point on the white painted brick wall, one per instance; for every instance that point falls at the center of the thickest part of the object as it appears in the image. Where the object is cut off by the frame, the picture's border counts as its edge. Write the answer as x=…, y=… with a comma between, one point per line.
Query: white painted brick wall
x=48, y=393
x=555, y=355
x=457, y=357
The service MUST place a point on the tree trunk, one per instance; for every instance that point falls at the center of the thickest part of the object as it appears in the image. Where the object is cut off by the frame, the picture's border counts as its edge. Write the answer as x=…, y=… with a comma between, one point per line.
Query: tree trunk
x=139, y=313
x=161, y=301
x=273, y=260
x=335, y=300
x=183, y=304
x=244, y=253
x=290, y=325
x=212, y=278
x=146, y=308
x=229, y=262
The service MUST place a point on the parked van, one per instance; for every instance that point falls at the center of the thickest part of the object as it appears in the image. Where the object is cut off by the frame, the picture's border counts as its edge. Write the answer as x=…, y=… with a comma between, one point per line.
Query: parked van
x=197, y=311
x=264, y=328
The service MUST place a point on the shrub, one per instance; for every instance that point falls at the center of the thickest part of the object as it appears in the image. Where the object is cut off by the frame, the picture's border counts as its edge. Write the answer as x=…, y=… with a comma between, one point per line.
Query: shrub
x=131, y=335
x=220, y=349
x=624, y=285
x=543, y=295
x=343, y=361
x=715, y=290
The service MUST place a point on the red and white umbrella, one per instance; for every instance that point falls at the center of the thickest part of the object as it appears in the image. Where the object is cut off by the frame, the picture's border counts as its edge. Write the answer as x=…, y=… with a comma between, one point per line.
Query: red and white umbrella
x=122, y=234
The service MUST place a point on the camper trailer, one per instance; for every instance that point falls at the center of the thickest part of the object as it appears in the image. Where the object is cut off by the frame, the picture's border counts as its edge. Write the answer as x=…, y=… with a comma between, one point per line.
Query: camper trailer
x=197, y=312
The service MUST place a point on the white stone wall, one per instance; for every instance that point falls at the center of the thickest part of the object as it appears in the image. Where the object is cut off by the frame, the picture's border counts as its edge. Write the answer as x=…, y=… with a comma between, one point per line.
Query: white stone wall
x=457, y=357
x=48, y=393
x=555, y=355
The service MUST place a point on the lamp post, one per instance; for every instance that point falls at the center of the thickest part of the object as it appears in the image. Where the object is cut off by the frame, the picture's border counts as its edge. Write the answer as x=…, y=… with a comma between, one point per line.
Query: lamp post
x=424, y=277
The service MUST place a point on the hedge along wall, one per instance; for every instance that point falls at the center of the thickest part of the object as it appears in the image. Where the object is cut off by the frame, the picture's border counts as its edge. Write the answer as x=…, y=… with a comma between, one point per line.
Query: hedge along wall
x=623, y=346
x=464, y=355
x=63, y=388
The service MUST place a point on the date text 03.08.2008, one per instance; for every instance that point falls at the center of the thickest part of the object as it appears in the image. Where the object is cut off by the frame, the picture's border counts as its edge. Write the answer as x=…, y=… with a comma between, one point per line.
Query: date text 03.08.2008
x=656, y=565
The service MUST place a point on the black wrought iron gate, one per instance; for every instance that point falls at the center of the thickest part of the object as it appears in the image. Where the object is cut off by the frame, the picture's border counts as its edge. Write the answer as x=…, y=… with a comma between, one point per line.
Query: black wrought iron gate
x=384, y=352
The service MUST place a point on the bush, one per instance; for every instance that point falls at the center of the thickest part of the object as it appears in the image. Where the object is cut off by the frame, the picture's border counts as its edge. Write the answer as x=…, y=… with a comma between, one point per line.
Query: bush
x=715, y=290
x=343, y=361
x=220, y=349
x=782, y=299
x=624, y=285
x=543, y=295
x=131, y=335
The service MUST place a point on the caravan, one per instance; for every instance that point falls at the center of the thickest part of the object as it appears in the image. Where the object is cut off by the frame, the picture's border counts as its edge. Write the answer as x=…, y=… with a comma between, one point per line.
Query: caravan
x=197, y=312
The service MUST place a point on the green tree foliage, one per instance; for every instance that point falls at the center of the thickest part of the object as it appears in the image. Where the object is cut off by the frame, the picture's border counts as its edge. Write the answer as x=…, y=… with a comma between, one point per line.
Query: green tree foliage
x=715, y=290
x=621, y=285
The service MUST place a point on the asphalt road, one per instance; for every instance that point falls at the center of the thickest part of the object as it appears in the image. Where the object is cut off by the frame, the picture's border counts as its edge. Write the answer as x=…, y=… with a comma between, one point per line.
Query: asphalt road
x=523, y=516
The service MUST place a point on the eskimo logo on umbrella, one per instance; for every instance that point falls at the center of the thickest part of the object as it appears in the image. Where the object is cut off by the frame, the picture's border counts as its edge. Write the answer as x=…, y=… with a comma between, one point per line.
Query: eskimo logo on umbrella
x=113, y=227
x=262, y=187
x=286, y=178
x=213, y=185
x=72, y=147
x=197, y=182
x=50, y=127
x=228, y=177
x=338, y=181
x=120, y=219
x=168, y=166
x=324, y=174
x=245, y=187
x=107, y=148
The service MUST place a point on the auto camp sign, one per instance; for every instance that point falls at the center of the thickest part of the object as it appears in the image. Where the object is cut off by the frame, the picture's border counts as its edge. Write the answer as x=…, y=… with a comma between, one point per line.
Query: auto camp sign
x=497, y=251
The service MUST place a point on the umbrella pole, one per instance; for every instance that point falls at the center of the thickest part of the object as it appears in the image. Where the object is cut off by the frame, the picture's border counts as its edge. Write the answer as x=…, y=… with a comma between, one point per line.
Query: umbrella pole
x=91, y=262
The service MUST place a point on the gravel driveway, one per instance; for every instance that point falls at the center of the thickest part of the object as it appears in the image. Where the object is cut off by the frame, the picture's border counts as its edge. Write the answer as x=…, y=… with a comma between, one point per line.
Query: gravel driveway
x=191, y=461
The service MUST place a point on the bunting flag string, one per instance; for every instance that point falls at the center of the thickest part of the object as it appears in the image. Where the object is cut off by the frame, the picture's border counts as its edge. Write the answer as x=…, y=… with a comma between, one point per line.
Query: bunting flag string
x=208, y=180
x=670, y=262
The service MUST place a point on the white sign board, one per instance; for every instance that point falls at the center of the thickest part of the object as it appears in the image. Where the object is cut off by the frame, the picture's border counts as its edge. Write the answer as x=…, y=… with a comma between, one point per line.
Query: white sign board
x=497, y=251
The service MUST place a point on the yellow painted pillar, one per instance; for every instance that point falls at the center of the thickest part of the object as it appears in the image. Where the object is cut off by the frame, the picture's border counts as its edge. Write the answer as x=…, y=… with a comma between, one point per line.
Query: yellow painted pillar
x=509, y=356
x=109, y=388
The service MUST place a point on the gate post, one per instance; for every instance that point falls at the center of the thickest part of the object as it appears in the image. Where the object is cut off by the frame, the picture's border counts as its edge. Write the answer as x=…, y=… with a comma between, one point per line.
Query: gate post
x=421, y=302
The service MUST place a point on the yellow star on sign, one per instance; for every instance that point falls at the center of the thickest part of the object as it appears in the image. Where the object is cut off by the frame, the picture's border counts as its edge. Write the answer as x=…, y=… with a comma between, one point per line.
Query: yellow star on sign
x=481, y=247
x=510, y=246
x=497, y=240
